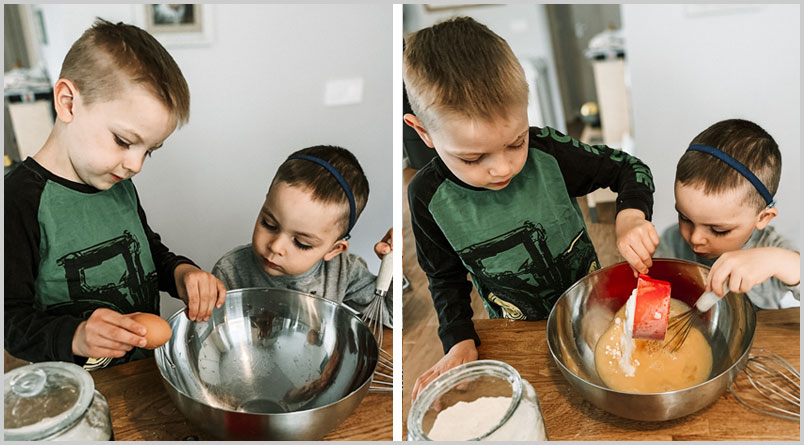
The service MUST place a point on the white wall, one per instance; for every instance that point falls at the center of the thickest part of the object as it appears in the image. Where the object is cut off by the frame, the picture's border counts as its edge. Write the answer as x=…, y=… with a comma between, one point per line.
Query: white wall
x=523, y=26
x=692, y=66
x=256, y=96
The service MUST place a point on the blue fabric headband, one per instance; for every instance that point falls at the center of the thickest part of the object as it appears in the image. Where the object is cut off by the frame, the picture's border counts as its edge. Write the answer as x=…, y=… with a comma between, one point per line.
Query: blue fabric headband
x=742, y=169
x=341, y=181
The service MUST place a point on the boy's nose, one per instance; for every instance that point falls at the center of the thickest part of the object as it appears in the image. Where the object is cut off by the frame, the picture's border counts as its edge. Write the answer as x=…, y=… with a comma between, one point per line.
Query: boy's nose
x=697, y=237
x=275, y=245
x=133, y=162
x=501, y=169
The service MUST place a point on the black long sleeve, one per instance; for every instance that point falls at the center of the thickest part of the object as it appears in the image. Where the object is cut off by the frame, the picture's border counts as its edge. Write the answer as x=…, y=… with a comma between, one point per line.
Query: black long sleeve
x=447, y=276
x=587, y=168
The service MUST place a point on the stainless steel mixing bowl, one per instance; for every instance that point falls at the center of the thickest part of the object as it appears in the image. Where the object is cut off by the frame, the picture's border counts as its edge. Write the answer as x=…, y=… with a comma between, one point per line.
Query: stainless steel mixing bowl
x=584, y=311
x=270, y=364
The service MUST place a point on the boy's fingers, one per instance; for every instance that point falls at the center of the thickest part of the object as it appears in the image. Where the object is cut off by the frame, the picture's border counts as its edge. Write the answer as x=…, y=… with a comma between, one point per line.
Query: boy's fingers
x=192, y=301
x=121, y=343
x=111, y=336
x=212, y=297
x=717, y=285
x=208, y=294
x=422, y=381
x=221, y=294
x=718, y=275
x=633, y=259
x=654, y=236
x=735, y=284
x=130, y=325
x=124, y=335
x=647, y=256
x=114, y=328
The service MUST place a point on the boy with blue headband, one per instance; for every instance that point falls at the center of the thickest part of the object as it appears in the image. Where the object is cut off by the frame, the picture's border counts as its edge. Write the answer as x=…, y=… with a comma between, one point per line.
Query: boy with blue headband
x=724, y=190
x=301, y=235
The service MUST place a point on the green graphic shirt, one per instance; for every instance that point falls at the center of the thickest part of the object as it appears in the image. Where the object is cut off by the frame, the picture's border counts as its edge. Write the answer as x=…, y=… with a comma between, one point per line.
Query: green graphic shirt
x=535, y=244
x=69, y=250
x=524, y=245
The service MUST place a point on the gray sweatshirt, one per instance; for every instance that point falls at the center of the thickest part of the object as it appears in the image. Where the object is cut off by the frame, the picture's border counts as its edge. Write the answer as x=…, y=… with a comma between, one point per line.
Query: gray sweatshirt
x=343, y=279
x=772, y=294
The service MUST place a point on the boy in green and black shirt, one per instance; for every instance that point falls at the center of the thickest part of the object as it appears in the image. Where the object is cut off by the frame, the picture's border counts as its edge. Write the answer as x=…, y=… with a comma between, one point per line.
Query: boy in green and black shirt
x=499, y=200
x=79, y=254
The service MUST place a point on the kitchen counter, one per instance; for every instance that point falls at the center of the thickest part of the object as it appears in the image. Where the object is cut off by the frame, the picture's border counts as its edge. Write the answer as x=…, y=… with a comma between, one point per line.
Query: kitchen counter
x=567, y=416
x=141, y=409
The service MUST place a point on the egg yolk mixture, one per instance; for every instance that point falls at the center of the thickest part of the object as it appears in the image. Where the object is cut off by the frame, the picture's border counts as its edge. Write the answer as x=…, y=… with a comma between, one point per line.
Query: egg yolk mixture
x=651, y=368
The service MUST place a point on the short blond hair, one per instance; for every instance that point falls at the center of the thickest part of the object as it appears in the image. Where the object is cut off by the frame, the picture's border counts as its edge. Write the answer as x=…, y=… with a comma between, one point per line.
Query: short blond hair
x=460, y=67
x=108, y=55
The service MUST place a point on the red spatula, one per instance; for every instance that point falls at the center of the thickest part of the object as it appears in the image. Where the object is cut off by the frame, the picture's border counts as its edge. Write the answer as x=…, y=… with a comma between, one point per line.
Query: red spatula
x=651, y=309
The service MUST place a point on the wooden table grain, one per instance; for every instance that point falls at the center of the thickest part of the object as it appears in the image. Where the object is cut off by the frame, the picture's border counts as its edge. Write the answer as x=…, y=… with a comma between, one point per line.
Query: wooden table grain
x=568, y=416
x=141, y=409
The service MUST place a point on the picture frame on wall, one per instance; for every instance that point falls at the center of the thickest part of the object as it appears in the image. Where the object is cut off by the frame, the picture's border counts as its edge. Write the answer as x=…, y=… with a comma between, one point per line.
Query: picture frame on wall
x=176, y=25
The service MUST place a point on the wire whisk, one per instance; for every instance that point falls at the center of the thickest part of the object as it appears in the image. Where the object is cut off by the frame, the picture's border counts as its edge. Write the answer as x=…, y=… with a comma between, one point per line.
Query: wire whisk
x=375, y=317
x=681, y=324
x=775, y=386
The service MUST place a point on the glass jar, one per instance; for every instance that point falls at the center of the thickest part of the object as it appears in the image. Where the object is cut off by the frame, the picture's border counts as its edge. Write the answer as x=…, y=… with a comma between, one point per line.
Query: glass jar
x=54, y=401
x=482, y=400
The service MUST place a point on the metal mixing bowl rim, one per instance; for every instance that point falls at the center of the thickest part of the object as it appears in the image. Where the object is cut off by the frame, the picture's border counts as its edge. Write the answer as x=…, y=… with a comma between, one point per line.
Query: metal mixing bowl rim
x=551, y=321
x=161, y=350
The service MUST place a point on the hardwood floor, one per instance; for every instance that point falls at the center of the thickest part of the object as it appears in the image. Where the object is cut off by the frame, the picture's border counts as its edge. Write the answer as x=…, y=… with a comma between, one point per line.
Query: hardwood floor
x=421, y=347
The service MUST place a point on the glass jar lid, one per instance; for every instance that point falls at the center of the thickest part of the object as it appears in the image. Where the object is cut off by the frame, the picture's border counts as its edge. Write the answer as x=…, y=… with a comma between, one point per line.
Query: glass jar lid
x=463, y=385
x=42, y=399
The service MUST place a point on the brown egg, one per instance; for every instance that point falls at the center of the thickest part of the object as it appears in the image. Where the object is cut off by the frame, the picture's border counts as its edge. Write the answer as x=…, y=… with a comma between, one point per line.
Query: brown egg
x=157, y=329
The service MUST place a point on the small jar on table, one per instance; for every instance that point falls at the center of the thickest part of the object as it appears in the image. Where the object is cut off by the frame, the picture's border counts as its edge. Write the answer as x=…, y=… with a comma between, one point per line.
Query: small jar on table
x=54, y=401
x=482, y=400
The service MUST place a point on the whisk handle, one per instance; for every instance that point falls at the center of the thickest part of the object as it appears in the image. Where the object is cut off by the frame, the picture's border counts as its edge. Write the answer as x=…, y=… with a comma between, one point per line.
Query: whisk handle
x=709, y=299
x=385, y=275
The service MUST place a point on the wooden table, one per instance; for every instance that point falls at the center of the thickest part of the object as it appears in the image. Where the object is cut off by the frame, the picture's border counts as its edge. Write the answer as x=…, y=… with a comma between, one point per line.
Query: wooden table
x=141, y=409
x=567, y=416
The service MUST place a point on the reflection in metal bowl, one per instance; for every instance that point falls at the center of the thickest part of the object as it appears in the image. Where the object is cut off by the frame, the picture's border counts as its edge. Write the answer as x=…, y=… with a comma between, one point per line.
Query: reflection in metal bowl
x=271, y=364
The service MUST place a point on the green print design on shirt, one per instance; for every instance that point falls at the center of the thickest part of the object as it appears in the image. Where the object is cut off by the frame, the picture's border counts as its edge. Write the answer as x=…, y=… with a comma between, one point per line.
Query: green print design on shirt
x=94, y=252
x=523, y=245
x=539, y=275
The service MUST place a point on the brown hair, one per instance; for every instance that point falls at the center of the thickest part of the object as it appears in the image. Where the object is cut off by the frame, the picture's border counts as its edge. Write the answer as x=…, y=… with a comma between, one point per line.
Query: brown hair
x=321, y=183
x=746, y=142
x=107, y=55
x=461, y=67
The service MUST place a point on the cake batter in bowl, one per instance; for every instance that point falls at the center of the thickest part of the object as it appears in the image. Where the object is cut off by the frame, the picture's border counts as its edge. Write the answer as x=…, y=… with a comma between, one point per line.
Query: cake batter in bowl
x=586, y=310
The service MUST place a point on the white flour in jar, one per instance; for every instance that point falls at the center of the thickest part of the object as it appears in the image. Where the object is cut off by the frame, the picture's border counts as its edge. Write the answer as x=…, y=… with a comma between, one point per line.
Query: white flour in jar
x=468, y=420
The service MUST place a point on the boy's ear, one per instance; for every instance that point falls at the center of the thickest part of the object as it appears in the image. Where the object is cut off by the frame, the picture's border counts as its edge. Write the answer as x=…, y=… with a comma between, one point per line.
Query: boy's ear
x=765, y=217
x=338, y=248
x=64, y=95
x=416, y=124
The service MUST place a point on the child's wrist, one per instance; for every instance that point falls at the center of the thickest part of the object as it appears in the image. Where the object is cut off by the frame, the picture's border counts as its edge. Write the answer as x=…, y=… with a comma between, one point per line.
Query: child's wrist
x=787, y=265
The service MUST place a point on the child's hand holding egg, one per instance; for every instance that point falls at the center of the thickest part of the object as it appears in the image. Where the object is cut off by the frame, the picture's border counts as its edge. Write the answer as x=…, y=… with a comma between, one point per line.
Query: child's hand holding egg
x=157, y=330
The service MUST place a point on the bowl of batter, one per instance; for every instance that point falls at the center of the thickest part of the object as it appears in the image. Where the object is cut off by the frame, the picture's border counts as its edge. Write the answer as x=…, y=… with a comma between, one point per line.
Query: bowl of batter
x=588, y=337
